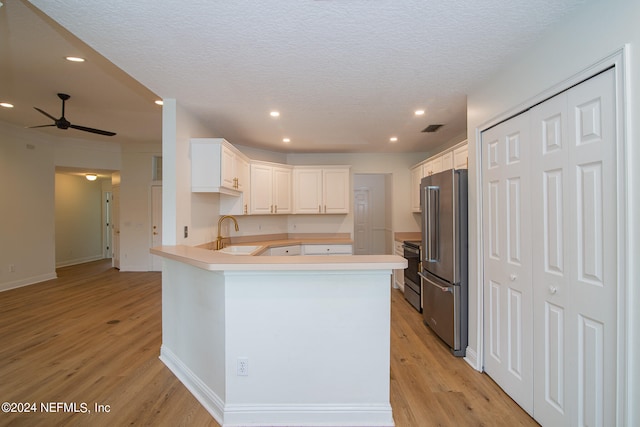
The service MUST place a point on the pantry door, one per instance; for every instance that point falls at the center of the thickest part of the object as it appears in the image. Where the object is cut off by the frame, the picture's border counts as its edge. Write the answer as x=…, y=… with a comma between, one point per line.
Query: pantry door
x=508, y=327
x=574, y=255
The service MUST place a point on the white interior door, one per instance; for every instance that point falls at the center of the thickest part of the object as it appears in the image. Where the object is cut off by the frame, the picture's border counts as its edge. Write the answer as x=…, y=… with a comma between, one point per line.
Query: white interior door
x=115, y=225
x=107, y=244
x=565, y=313
x=574, y=258
x=508, y=325
x=156, y=225
x=362, y=221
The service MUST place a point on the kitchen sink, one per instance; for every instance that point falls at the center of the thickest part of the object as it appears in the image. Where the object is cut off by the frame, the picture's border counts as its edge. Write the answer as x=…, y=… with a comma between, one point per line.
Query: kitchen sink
x=238, y=250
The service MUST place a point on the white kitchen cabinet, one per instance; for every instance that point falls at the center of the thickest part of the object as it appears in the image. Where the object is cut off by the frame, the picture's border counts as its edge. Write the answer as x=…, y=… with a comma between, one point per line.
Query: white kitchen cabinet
x=416, y=177
x=460, y=159
x=452, y=158
x=447, y=161
x=434, y=165
x=238, y=205
x=290, y=250
x=321, y=189
x=217, y=167
x=327, y=249
x=270, y=189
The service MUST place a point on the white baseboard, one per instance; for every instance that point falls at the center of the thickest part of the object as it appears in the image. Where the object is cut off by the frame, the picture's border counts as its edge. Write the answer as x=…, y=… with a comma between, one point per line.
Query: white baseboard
x=207, y=398
x=471, y=357
x=76, y=261
x=27, y=281
x=308, y=415
x=232, y=415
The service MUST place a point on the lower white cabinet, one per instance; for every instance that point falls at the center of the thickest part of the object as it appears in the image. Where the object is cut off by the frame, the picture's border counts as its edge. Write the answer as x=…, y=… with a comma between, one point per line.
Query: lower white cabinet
x=327, y=249
x=286, y=250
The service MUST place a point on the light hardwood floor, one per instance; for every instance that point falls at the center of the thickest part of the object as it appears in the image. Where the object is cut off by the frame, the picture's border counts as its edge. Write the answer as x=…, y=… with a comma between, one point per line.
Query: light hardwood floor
x=93, y=336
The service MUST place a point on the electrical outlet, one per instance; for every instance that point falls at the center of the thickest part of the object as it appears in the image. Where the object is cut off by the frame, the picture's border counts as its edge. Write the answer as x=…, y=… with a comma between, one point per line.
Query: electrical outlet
x=186, y=231
x=243, y=366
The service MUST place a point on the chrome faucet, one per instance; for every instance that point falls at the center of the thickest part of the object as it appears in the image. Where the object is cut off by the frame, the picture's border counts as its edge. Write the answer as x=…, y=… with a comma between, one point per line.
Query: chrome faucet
x=219, y=244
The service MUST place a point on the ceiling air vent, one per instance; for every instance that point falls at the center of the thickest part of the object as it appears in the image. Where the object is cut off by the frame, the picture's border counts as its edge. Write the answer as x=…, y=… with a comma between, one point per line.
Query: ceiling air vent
x=432, y=128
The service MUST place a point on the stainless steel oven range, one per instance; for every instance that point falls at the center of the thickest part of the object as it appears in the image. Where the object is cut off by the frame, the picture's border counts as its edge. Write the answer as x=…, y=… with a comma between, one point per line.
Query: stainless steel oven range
x=412, y=292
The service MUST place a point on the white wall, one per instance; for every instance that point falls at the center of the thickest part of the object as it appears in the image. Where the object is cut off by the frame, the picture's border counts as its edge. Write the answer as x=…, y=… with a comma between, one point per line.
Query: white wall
x=27, y=241
x=78, y=219
x=27, y=185
x=181, y=207
x=595, y=32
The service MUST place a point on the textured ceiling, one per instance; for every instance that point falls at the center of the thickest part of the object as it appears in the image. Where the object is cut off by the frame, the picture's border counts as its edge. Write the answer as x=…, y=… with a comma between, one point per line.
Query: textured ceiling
x=346, y=75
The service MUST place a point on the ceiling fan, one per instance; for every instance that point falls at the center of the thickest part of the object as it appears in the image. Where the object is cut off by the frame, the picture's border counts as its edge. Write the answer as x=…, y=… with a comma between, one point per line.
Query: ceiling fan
x=63, y=123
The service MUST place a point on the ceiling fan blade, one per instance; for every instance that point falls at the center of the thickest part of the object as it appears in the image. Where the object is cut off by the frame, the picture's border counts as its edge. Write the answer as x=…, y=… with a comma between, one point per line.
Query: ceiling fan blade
x=92, y=130
x=41, y=126
x=46, y=114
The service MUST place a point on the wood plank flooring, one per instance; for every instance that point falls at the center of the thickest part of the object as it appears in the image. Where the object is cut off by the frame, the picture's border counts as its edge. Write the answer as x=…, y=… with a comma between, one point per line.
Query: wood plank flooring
x=92, y=336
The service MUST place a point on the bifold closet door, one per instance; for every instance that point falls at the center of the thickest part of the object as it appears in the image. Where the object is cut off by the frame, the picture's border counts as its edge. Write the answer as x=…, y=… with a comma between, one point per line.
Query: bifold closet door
x=508, y=327
x=574, y=255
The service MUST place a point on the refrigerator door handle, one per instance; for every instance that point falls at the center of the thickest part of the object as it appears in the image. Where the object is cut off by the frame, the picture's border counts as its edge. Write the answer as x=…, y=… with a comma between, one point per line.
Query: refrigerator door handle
x=442, y=288
x=433, y=222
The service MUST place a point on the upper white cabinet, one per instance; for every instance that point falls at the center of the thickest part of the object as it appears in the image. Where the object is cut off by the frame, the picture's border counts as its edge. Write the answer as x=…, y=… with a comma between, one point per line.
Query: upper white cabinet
x=416, y=177
x=270, y=189
x=264, y=188
x=217, y=167
x=432, y=166
x=453, y=158
x=460, y=157
x=447, y=161
x=321, y=189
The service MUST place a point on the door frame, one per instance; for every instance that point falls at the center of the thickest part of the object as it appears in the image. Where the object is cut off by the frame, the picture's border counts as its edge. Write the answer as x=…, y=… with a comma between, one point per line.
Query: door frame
x=620, y=63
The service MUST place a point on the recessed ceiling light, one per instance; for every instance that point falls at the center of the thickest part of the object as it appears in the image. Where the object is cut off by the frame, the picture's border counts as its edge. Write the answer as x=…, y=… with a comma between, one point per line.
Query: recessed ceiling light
x=6, y=105
x=393, y=139
x=274, y=114
x=419, y=112
x=74, y=59
x=286, y=140
x=159, y=102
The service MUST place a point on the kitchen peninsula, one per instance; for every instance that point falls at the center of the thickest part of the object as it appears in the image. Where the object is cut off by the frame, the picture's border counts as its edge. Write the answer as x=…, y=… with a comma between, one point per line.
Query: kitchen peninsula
x=280, y=340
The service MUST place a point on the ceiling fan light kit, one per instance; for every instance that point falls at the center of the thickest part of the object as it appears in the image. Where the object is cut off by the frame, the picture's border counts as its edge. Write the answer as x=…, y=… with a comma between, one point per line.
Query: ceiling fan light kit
x=63, y=123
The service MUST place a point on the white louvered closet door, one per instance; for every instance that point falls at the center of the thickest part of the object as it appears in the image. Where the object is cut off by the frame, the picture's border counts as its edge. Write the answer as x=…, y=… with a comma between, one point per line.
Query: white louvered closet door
x=508, y=327
x=574, y=255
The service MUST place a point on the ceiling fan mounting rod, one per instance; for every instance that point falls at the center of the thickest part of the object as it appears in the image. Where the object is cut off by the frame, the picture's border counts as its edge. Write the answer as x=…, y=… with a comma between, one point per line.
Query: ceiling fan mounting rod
x=64, y=97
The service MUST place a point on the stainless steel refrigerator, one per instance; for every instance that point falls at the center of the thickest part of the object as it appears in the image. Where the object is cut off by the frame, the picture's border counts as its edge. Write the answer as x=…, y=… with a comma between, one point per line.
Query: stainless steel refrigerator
x=443, y=198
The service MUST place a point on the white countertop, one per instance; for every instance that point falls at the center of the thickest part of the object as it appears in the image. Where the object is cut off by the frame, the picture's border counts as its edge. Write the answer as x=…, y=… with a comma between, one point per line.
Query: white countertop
x=216, y=261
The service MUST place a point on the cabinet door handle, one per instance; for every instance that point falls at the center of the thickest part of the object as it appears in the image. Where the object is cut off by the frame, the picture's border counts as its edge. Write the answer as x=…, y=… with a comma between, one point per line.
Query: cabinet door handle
x=276, y=208
x=271, y=210
x=245, y=209
x=319, y=209
x=325, y=208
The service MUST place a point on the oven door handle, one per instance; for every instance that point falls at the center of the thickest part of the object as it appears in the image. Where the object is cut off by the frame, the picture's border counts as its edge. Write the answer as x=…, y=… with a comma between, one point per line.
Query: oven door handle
x=431, y=282
x=412, y=250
